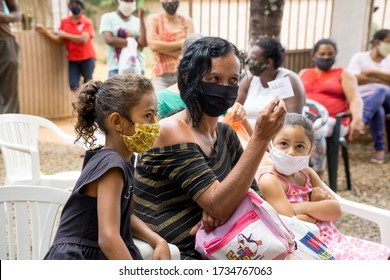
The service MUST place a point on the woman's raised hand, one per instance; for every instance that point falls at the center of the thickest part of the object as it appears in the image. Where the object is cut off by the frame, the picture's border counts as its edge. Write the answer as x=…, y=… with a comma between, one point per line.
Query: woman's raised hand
x=270, y=120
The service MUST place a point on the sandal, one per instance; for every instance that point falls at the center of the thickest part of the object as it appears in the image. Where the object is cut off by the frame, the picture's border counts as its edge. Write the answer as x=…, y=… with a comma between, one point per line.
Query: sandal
x=378, y=160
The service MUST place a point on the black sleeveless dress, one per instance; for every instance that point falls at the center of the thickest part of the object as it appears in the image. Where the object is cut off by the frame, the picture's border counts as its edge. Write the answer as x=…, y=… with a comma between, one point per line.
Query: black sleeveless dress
x=77, y=235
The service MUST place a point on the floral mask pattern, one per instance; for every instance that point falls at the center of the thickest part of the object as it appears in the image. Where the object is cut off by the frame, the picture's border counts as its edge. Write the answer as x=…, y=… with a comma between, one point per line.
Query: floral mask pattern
x=143, y=139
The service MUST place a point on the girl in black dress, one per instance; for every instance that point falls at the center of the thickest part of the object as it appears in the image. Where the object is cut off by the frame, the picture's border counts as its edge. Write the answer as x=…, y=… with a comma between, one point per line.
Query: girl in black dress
x=97, y=221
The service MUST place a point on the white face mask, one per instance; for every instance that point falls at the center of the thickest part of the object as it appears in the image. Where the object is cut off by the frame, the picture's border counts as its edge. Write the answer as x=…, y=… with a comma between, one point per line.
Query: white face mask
x=286, y=164
x=384, y=48
x=126, y=8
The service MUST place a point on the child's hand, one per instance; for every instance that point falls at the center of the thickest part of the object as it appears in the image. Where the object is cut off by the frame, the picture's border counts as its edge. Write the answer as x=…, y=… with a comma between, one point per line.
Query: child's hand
x=161, y=251
x=318, y=194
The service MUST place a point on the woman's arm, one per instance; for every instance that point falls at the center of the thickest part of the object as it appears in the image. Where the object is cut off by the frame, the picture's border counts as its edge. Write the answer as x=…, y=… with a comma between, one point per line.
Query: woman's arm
x=154, y=42
x=222, y=198
x=382, y=77
x=14, y=14
x=244, y=88
x=142, y=43
x=78, y=39
x=295, y=103
x=109, y=191
x=113, y=41
x=350, y=88
x=54, y=37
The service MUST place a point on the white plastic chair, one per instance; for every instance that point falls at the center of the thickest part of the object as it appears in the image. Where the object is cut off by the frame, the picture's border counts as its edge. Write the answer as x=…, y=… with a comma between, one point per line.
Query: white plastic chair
x=19, y=146
x=28, y=223
x=379, y=216
x=28, y=220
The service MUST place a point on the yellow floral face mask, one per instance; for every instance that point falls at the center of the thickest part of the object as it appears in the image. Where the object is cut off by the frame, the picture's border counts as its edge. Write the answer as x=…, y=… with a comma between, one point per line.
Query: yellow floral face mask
x=143, y=139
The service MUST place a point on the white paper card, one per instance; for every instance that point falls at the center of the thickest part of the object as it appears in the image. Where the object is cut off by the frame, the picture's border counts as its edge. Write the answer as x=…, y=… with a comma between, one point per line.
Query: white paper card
x=281, y=88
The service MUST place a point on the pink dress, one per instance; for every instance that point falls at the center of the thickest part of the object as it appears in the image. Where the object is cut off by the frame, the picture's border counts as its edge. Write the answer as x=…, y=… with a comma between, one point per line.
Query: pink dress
x=344, y=247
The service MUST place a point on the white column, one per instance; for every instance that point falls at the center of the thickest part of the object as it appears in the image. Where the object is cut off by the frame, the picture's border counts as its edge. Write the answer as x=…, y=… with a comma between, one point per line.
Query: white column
x=60, y=11
x=350, y=28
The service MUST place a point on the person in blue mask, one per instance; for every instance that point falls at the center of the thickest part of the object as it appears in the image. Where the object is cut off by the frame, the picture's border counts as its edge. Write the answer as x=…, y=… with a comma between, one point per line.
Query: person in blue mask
x=197, y=169
x=77, y=31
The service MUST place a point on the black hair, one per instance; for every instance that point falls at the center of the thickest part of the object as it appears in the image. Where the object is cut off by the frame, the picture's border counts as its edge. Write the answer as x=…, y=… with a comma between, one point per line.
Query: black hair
x=294, y=119
x=380, y=35
x=195, y=64
x=324, y=42
x=81, y=2
x=272, y=49
x=97, y=100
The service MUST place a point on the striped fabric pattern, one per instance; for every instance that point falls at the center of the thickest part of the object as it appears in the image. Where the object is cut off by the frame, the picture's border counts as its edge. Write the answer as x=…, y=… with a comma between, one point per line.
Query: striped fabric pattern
x=169, y=179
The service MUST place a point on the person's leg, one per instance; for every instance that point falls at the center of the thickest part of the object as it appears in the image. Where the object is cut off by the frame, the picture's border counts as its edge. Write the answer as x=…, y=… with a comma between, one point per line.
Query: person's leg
x=386, y=102
x=9, y=64
x=87, y=68
x=74, y=75
x=372, y=103
x=377, y=130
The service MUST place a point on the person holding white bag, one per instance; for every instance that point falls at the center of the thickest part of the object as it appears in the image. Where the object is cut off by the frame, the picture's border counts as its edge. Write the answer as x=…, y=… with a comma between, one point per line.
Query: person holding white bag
x=117, y=27
x=291, y=187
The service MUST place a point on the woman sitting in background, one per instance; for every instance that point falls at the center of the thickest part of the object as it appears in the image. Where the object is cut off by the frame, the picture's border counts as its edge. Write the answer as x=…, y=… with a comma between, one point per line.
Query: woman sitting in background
x=266, y=59
x=337, y=90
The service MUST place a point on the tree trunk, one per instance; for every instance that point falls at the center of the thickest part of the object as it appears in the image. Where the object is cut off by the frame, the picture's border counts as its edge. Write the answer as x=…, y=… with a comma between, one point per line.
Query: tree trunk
x=265, y=19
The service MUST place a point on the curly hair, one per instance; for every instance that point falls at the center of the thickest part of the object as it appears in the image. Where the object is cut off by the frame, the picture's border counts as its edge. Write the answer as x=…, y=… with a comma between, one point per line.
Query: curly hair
x=97, y=100
x=195, y=64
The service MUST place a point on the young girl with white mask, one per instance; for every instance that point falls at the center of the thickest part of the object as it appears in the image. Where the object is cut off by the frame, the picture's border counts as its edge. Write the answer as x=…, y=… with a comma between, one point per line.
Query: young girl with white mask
x=291, y=187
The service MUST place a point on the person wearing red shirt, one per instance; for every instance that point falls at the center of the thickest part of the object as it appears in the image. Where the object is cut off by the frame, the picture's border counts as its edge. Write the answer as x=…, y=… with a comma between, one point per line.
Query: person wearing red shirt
x=77, y=31
x=337, y=90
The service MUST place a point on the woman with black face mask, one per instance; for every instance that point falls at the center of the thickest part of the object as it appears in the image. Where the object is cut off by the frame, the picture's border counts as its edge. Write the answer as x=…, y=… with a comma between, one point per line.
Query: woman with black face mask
x=197, y=168
x=337, y=90
x=266, y=59
x=77, y=31
x=165, y=34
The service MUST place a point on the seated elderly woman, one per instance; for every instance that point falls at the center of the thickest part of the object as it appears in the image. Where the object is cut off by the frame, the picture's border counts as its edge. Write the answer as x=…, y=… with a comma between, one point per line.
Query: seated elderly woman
x=197, y=169
x=337, y=90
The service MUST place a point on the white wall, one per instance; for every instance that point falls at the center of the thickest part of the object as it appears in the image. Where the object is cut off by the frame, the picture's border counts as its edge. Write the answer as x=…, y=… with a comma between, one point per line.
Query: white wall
x=350, y=28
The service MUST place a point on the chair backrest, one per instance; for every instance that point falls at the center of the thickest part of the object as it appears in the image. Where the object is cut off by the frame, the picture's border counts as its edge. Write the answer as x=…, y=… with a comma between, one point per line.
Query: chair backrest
x=19, y=145
x=316, y=112
x=28, y=216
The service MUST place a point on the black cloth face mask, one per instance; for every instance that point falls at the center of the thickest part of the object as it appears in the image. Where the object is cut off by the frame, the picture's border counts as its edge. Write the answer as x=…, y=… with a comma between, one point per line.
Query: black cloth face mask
x=170, y=7
x=216, y=99
x=324, y=64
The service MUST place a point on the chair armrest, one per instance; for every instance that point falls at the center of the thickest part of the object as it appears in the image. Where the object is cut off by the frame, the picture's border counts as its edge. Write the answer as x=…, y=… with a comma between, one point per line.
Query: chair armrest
x=32, y=151
x=147, y=251
x=18, y=147
x=374, y=214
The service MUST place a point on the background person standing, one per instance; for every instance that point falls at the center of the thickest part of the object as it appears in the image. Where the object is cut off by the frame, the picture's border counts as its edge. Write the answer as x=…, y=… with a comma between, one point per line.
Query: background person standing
x=166, y=32
x=116, y=27
x=77, y=31
x=9, y=59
